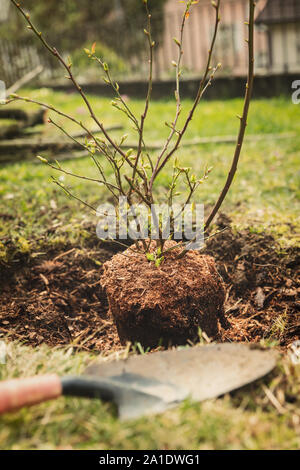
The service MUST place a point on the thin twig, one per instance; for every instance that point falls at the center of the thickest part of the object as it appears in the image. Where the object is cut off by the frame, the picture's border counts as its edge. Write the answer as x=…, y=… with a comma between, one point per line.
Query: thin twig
x=202, y=87
x=243, y=119
x=177, y=97
x=68, y=192
x=68, y=68
x=95, y=180
x=151, y=43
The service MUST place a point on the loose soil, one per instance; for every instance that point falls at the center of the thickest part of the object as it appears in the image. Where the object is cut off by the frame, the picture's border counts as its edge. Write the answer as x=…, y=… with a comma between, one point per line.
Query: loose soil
x=58, y=300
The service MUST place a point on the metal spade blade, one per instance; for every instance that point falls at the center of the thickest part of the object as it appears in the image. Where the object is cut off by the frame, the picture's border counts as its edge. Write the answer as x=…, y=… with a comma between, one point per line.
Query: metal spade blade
x=155, y=382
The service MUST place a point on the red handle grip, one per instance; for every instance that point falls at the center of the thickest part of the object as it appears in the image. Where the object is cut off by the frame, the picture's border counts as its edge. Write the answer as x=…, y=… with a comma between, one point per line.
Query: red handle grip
x=16, y=393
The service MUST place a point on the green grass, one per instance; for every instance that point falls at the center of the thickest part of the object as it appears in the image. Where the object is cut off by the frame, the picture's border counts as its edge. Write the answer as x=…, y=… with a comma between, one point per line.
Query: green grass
x=36, y=216
x=245, y=420
x=265, y=193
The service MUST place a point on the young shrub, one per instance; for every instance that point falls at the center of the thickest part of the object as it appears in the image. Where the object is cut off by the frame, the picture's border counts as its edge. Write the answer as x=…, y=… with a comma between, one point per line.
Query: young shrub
x=158, y=290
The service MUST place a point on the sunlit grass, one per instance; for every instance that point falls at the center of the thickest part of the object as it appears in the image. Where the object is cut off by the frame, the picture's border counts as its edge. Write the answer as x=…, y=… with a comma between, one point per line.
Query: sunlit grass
x=265, y=193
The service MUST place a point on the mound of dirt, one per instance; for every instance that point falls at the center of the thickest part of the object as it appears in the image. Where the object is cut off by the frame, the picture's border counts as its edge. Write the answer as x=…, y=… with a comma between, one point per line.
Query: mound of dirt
x=262, y=286
x=165, y=305
x=58, y=299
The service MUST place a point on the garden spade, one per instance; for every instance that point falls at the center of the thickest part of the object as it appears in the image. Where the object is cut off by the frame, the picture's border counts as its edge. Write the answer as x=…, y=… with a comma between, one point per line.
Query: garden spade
x=152, y=383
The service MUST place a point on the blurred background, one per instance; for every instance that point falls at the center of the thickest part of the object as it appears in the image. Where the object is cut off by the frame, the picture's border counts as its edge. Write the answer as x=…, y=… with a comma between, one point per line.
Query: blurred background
x=117, y=27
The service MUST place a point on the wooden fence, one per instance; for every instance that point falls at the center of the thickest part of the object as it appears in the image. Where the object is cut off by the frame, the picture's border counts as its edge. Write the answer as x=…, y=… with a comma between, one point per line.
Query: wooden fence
x=17, y=59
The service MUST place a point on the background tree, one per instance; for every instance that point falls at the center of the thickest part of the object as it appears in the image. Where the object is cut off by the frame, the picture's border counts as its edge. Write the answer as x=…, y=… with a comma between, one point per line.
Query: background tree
x=77, y=23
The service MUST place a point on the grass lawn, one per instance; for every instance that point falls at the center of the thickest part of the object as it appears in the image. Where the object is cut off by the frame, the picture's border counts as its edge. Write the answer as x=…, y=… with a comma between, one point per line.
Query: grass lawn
x=265, y=193
x=35, y=216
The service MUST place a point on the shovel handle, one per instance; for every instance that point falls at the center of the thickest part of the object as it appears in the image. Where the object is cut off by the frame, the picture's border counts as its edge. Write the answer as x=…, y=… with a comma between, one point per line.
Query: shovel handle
x=16, y=393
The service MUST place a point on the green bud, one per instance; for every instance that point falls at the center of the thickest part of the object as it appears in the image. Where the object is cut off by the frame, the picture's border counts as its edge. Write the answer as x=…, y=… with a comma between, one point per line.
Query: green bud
x=42, y=159
x=129, y=152
x=123, y=138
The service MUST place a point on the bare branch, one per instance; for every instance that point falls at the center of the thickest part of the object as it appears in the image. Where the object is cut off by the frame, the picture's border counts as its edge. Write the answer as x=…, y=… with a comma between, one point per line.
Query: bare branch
x=243, y=119
x=68, y=192
x=177, y=97
x=95, y=180
x=151, y=43
x=202, y=87
x=68, y=68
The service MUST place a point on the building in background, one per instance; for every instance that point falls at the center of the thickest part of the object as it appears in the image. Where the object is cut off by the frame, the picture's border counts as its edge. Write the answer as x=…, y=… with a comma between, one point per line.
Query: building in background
x=277, y=37
x=281, y=18
x=4, y=10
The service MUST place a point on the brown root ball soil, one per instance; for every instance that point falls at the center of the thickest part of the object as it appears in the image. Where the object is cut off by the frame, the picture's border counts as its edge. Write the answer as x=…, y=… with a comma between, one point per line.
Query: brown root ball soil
x=56, y=298
x=166, y=304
